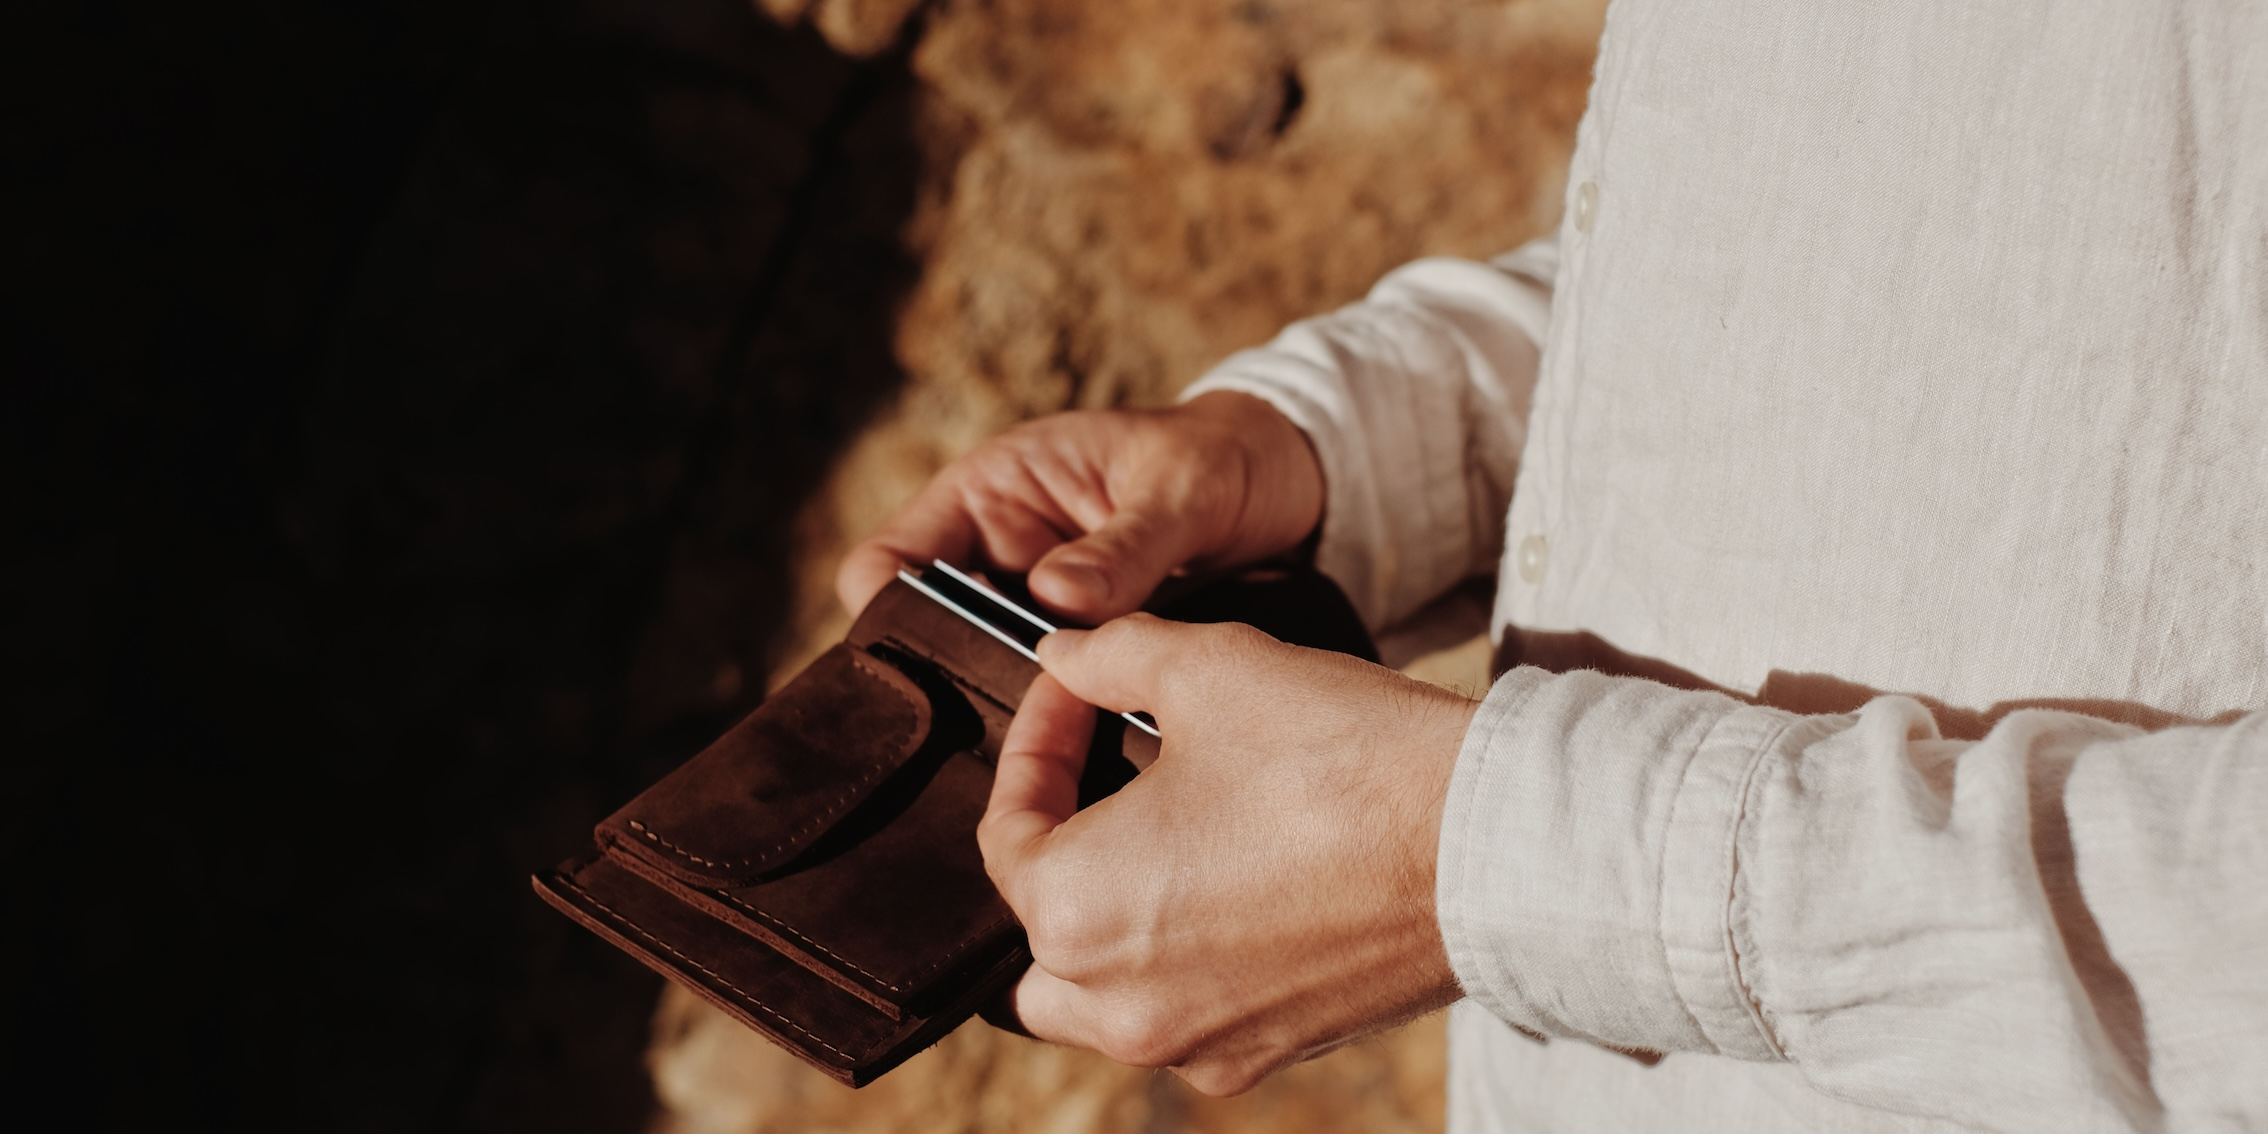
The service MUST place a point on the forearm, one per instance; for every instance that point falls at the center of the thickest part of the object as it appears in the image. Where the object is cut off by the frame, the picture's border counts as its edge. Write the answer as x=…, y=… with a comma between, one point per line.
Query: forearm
x=1974, y=930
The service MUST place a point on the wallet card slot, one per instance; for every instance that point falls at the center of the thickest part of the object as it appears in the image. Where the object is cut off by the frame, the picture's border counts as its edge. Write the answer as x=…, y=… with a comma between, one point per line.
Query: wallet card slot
x=844, y=1038
x=782, y=937
x=978, y=718
x=910, y=623
x=814, y=1019
x=895, y=1000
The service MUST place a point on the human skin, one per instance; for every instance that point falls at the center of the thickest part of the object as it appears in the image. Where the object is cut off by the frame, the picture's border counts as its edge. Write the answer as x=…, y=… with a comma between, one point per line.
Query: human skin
x=1099, y=506
x=1264, y=891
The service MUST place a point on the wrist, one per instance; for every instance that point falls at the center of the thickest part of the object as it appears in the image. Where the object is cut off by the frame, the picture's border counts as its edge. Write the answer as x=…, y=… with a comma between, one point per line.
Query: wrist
x=1434, y=764
x=1283, y=489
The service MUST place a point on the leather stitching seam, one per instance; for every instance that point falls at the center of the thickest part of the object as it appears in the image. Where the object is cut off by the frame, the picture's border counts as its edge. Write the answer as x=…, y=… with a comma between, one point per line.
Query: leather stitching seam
x=943, y=959
x=750, y=997
x=975, y=936
x=826, y=813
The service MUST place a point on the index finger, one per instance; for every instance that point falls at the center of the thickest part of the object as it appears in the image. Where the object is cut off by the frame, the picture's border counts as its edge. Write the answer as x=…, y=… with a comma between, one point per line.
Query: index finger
x=933, y=526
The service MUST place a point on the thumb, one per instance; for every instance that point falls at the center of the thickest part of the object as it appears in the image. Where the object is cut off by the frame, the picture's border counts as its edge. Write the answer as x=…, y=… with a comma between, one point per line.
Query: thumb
x=1110, y=570
x=1129, y=663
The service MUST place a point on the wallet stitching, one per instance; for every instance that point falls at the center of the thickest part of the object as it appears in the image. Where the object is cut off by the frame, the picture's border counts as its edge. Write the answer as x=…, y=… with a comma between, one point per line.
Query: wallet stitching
x=977, y=935
x=800, y=939
x=963, y=947
x=827, y=812
x=767, y=1009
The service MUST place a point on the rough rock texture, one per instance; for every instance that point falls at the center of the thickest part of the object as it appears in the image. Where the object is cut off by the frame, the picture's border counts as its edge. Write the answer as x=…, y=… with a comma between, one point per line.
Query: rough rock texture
x=715, y=1077
x=1114, y=197
x=1118, y=196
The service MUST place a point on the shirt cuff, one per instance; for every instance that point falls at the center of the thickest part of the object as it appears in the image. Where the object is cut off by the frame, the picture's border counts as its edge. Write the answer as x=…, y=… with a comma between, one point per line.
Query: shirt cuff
x=1588, y=878
x=1354, y=547
x=1416, y=401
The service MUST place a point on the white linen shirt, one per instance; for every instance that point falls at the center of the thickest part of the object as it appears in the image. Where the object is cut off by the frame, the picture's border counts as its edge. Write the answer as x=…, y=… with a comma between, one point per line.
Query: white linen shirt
x=1898, y=386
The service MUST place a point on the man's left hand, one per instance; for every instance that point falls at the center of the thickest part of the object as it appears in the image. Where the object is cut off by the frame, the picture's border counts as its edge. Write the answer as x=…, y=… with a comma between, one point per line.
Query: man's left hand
x=1261, y=894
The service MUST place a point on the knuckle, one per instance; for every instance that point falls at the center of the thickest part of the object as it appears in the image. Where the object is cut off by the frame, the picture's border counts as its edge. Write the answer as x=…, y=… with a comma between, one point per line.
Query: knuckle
x=990, y=833
x=987, y=477
x=1241, y=637
x=1126, y=633
x=1136, y=624
x=1051, y=435
x=1066, y=940
x=1220, y=1080
x=1142, y=1033
x=1128, y=532
x=1202, y=654
x=1228, y=643
x=995, y=462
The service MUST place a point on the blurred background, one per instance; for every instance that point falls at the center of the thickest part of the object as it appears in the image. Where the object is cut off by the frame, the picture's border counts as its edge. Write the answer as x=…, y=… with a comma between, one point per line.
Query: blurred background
x=429, y=423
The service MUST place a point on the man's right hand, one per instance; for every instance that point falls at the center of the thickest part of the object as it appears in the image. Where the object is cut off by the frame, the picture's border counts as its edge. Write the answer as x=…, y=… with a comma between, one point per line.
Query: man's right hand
x=1099, y=507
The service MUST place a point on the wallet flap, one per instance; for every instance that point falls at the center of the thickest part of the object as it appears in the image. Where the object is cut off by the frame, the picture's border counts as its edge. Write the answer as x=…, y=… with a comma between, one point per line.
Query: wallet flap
x=891, y=902
x=767, y=790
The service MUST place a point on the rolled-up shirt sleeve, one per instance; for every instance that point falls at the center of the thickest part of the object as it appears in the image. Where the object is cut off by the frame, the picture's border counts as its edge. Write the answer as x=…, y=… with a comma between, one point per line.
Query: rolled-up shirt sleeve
x=2065, y=916
x=1416, y=400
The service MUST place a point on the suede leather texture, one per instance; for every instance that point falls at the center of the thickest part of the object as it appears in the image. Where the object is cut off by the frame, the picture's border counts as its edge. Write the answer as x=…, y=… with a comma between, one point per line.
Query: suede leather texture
x=815, y=872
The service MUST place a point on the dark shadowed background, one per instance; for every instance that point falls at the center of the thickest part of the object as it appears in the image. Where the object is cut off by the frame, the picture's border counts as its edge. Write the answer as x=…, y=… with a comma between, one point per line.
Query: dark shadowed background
x=428, y=423
x=368, y=367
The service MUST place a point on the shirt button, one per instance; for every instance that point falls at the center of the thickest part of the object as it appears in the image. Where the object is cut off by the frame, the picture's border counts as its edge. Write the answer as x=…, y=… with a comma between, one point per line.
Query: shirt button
x=1535, y=551
x=1586, y=205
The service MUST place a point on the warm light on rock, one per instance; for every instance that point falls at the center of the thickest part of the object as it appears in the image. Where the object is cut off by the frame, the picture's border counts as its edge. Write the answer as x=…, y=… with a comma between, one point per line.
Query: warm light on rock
x=1114, y=198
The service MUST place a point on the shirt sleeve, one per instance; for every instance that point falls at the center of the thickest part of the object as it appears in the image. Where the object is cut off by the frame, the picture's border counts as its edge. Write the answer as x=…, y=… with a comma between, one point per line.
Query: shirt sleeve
x=1416, y=400
x=2066, y=914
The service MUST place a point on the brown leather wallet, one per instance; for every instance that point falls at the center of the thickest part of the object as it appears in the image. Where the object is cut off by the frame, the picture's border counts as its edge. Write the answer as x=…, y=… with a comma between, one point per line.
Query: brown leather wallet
x=815, y=872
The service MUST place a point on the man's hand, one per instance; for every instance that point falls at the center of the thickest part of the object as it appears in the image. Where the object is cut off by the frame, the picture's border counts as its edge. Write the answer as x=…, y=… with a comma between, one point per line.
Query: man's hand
x=1264, y=892
x=1100, y=507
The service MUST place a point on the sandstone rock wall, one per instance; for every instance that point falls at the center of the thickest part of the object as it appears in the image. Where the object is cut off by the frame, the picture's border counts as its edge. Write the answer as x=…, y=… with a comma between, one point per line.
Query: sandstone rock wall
x=1115, y=196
